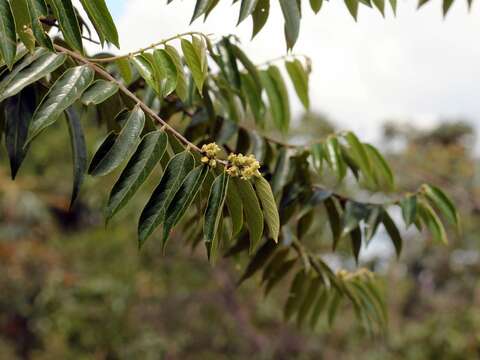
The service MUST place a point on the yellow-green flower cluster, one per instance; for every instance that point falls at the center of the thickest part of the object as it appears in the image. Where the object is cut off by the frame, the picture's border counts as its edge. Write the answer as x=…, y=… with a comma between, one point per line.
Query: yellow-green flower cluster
x=244, y=166
x=362, y=272
x=210, y=152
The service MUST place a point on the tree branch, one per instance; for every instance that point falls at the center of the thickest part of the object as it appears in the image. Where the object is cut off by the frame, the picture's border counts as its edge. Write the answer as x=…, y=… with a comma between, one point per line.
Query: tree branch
x=151, y=46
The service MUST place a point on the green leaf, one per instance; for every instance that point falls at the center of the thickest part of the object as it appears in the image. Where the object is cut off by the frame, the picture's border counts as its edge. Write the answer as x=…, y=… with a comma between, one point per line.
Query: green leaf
x=260, y=16
x=254, y=98
x=8, y=37
x=240, y=245
x=275, y=101
x=421, y=3
x=98, y=92
x=352, y=6
x=317, y=152
x=79, y=152
x=334, y=220
x=443, y=203
x=65, y=91
x=182, y=199
x=259, y=260
x=201, y=7
x=125, y=70
x=175, y=145
x=153, y=214
x=248, y=65
x=393, y=4
x=67, y=19
x=296, y=294
x=101, y=19
x=201, y=50
x=409, y=209
x=270, y=211
x=276, y=263
x=299, y=79
x=246, y=8
x=380, y=4
x=252, y=210
x=318, y=308
x=259, y=146
x=356, y=239
x=228, y=100
x=210, y=7
x=372, y=223
x=446, y=6
x=281, y=87
x=18, y=113
x=44, y=65
x=38, y=10
x=359, y=153
x=23, y=24
x=334, y=157
x=104, y=163
x=194, y=62
x=227, y=62
x=380, y=165
x=281, y=172
x=26, y=61
x=354, y=213
x=278, y=275
x=145, y=69
x=291, y=14
x=235, y=208
x=333, y=307
x=181, y=83
x=168, y=82
x=367, y=300
x=20, y=54
x=316, y=5
x=213, y=213
x=393, y=232
x=432, y=221
x=309, y=300
x=103, y=149
x=139, y=167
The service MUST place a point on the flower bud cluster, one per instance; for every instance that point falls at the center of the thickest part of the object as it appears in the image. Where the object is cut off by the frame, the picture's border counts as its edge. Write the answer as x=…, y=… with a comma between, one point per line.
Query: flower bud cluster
x=210, y=152
x=360, y=273
x=244, y=166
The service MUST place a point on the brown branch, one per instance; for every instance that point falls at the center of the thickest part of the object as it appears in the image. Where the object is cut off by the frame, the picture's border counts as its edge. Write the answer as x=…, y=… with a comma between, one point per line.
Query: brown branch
x=151, y=46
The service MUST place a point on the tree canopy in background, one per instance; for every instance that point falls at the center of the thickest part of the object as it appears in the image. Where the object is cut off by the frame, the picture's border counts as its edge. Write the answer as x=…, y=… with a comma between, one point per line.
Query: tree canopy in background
x=215, y=124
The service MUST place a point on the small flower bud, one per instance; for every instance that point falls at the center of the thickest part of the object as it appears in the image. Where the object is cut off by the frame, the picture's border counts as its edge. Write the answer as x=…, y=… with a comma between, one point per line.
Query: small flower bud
x=210, y=152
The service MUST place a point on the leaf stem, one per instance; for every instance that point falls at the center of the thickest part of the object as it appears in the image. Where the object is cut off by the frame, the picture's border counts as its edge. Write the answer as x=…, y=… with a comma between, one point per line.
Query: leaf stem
x=285, y=57
x=151, y=46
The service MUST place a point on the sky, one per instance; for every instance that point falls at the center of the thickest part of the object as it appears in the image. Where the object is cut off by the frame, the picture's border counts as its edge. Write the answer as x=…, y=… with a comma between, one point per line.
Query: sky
x=417, y=67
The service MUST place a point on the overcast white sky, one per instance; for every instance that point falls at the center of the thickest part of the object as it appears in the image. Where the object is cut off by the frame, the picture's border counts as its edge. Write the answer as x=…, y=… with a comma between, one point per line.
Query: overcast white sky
x=416, y=66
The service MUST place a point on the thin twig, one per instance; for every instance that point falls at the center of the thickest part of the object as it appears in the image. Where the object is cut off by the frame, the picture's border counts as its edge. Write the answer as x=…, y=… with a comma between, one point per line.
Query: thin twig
x=151, y=46
x=284, y=57
x=91, y=40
